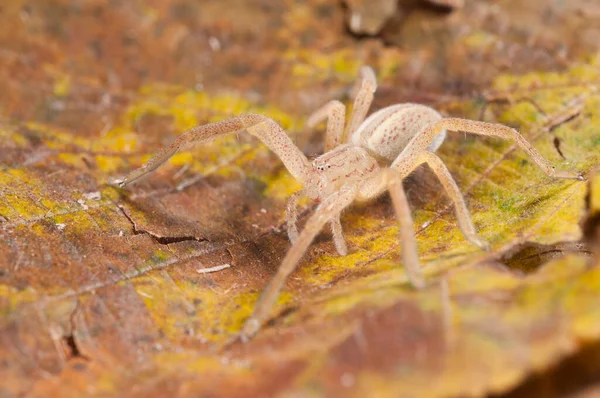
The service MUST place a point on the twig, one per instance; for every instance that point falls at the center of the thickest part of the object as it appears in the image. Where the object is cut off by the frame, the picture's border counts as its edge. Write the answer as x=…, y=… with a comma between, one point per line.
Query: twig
x=213, y=269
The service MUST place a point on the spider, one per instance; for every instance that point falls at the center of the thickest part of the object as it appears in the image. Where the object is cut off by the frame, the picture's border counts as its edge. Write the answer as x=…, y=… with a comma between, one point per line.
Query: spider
x=362, y=161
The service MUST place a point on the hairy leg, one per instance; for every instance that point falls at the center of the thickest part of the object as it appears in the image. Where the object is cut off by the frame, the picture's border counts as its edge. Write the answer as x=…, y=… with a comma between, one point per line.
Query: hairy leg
x=262, y=127
x=462, y=212
x=291, y=216
x=364, y=90
x=338, y=236
x=410, y=256
x=335, y=113
x=422, y=140
x=329, y=208
x=390, y=179
x=405, y=165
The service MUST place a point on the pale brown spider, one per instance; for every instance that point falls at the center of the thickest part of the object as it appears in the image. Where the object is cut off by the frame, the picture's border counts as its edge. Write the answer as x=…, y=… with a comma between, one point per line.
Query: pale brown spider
x=377, y=155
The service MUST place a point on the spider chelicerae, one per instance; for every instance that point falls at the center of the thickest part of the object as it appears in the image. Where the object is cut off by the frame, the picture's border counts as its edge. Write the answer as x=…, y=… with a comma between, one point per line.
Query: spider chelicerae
x=368, y=157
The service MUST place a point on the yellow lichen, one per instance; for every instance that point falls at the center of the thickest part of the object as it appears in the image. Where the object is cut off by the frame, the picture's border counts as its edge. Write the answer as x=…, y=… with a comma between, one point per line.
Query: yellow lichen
x=62, y=86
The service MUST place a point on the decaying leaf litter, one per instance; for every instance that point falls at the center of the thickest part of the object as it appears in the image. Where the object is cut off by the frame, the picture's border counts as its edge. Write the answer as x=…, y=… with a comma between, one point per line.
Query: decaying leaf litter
x=363, y=159
x=102, y=295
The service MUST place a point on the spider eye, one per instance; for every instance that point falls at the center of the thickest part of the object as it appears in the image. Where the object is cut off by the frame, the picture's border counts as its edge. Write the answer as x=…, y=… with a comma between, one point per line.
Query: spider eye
x=328, y=166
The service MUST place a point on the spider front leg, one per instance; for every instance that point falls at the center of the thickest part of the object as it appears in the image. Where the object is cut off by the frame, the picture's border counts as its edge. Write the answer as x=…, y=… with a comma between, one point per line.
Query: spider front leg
x=291, y=217
x=391, y=180
x=262, y=127
x=410, y=255
x=329, y=208
x=338, y=236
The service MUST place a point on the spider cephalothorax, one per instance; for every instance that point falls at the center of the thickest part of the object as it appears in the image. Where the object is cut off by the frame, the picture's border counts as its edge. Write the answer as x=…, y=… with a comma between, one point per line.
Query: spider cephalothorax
x=369, y=157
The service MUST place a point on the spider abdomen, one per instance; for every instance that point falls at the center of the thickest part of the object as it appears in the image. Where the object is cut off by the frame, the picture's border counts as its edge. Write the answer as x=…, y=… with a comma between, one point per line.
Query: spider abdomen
x=387, y=132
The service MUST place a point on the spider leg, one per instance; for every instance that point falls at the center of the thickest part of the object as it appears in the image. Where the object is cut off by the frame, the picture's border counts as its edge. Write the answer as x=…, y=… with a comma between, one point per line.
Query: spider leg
x=441, y=171
x=410, y=256
x=335, y=113
x=329, y=208
x=424, y=138
x=338, y=235
x=262, y=127
x=462, y=213
x=291, y=216
x=365, y=89
x=391, y=180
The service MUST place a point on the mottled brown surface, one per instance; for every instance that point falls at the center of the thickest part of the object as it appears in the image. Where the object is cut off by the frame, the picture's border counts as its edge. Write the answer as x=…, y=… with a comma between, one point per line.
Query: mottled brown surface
x=100, y=296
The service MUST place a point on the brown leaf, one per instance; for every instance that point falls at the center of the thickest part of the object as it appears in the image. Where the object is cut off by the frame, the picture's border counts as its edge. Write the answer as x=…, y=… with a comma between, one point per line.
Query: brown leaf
x=100, y=289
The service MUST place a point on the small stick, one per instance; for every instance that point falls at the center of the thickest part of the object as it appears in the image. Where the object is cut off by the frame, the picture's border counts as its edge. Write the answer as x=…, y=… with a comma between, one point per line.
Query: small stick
x=213, y=269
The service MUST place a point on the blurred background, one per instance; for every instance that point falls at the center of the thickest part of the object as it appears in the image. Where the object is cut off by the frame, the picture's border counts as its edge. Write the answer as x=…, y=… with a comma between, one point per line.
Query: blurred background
x=99, y=289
